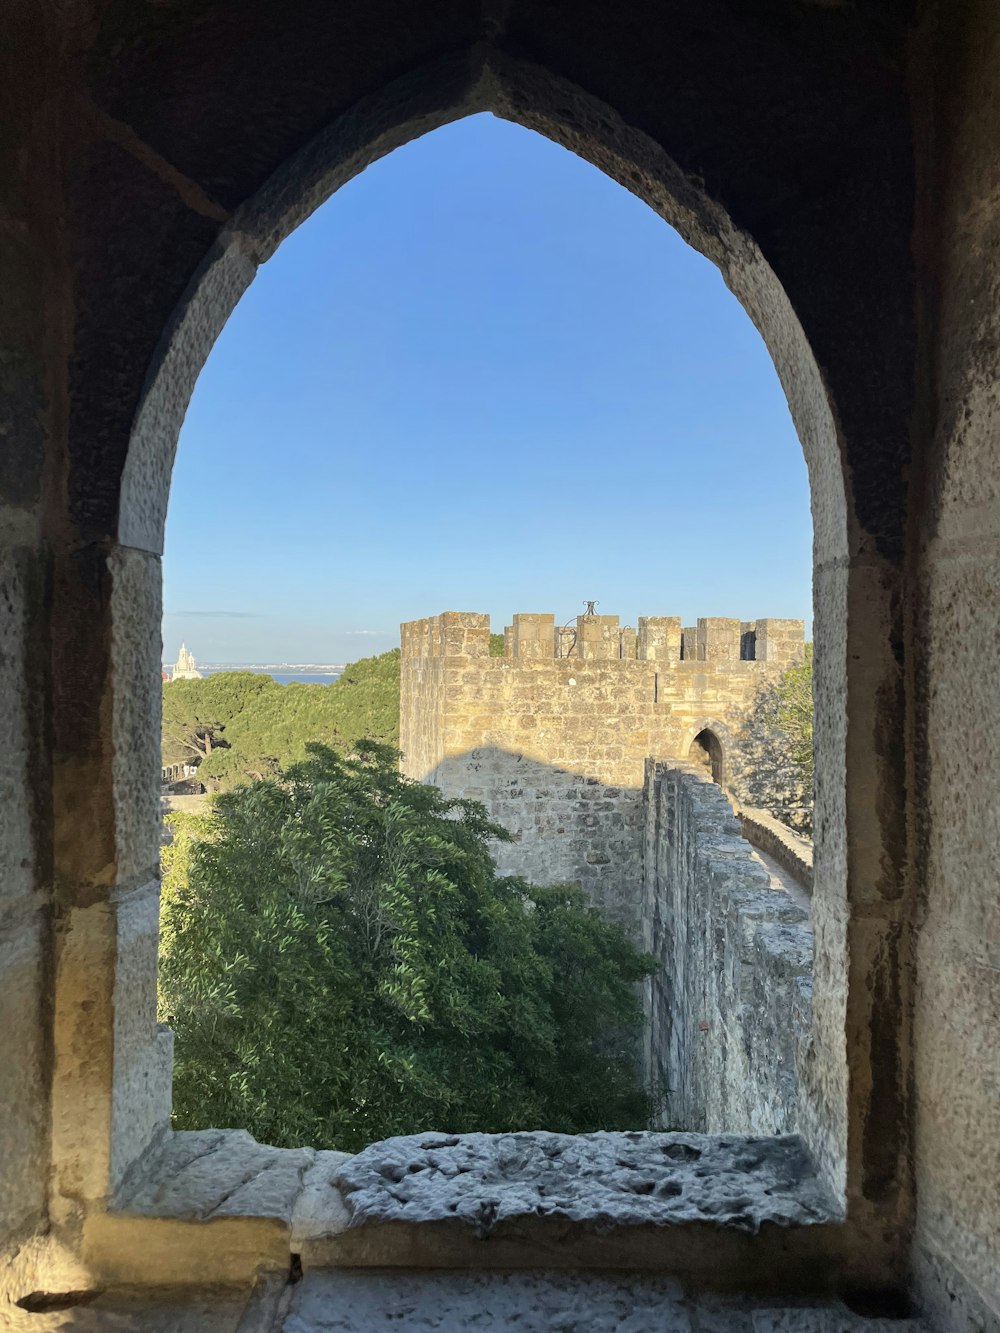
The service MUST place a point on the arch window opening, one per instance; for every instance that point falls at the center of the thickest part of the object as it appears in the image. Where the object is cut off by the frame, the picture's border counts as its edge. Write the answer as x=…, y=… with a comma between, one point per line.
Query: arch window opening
x=304, y=939
x=706, y=753
x=172, y=160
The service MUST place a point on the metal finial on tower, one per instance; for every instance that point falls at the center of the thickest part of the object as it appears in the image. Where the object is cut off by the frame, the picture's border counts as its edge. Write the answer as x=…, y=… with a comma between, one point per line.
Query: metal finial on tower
x=590, y=607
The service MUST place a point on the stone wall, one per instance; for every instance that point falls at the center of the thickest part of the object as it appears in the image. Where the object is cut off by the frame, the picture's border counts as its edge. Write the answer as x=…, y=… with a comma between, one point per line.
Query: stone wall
x=956, y=780
x=152, y=162
x=555, y=746
x=730, y=1006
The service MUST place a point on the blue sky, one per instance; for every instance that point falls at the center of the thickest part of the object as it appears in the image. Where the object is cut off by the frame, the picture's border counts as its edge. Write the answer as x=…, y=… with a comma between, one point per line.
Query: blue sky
x=482, y=377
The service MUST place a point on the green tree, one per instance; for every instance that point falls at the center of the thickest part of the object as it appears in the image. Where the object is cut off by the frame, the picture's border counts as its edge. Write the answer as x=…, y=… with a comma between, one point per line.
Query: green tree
x=254, y=731
x=341, y=963
x=497, y=645
x=184, y=831
x=197, y=714
x=775, y=747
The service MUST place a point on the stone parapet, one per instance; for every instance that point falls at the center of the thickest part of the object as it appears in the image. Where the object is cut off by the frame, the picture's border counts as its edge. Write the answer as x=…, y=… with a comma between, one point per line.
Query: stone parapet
x=661, y=639
x=532, y=636
x=792, y=852
x=598, y=638
x=719, y=639
x=451, y=634
x=730, y=1006
x=553, y=736
x=779, y=641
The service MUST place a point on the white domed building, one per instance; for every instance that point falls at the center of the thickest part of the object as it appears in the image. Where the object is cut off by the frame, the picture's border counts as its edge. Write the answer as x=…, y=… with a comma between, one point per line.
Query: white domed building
x=185, y=668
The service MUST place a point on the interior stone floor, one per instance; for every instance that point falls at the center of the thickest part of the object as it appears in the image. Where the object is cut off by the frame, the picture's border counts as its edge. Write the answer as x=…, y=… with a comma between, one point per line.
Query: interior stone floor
x=438, y=1302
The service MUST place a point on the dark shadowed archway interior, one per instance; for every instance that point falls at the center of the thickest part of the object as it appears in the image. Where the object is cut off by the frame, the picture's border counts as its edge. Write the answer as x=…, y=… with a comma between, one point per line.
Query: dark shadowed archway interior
x=706, y=752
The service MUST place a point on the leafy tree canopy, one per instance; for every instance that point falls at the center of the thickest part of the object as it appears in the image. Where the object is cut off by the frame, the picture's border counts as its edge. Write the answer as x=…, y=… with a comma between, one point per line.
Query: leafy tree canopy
x=260, y=728
x=197, y=714
x=776, y=744
x=340, y=962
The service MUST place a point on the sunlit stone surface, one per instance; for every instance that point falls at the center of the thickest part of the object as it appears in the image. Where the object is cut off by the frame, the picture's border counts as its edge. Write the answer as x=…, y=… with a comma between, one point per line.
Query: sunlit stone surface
x=605, y=1179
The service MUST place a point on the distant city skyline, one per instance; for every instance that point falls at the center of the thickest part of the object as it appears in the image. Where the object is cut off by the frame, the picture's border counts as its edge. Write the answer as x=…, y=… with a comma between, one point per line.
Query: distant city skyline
x=482, y=377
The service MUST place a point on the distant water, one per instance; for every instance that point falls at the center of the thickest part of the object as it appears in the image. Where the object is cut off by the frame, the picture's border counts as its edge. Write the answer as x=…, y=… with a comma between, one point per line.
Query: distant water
x=282, y=677
x=319, y=678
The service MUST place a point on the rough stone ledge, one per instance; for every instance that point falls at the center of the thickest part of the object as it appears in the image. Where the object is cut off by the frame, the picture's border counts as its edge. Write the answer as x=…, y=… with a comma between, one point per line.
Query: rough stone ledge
x=210, y=1206
x=215, y=1206
x=604, y=1180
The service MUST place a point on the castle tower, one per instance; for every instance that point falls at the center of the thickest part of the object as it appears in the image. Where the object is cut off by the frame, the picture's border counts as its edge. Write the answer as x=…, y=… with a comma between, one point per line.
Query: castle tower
x=553, y=737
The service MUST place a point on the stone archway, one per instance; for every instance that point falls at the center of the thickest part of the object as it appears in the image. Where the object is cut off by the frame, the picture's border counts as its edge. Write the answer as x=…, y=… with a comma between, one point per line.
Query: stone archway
x=198, y=216
x=532, y=97
x=565, y=113
x=705, y=751
x=710, y=744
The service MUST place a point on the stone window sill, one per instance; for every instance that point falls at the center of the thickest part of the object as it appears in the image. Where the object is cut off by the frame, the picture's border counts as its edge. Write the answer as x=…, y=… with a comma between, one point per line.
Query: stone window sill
x=215, y=1205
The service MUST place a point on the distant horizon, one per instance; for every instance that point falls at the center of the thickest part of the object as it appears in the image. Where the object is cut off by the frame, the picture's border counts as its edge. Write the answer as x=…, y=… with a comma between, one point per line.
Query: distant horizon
x=208, y=663
x=303, y=665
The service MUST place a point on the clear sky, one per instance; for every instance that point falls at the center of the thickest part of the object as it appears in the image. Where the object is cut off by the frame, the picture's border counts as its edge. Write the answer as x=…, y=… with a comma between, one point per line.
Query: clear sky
x=482, y=377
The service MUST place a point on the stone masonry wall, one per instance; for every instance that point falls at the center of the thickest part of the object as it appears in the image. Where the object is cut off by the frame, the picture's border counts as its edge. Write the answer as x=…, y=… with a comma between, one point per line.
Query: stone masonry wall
x=555, y=746
x=729, y=1007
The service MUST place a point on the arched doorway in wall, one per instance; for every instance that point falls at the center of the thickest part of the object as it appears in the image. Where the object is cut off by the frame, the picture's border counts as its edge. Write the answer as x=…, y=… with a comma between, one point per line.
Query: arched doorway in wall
x=705, y=751
x=253, y=233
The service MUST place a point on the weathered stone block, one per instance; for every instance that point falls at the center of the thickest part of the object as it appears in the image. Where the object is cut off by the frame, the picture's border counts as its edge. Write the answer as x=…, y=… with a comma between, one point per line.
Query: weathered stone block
x=485, y=1180
x=143, y=1052
x=24, y=1108
x=20, y=724
x=659, y=638
x=779, y=641
x=597, y=638
x=718, y=639
x=136, y=603
x=533, y=636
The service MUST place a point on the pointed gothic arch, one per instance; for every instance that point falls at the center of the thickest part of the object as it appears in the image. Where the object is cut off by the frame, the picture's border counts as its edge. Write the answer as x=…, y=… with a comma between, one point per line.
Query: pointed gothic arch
x=153, y=285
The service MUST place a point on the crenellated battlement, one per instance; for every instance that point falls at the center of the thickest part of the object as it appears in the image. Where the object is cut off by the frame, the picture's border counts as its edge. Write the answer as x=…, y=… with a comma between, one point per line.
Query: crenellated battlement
x=535, y=636
x=553, y=736
x=451, y=634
